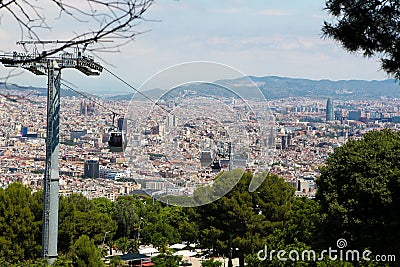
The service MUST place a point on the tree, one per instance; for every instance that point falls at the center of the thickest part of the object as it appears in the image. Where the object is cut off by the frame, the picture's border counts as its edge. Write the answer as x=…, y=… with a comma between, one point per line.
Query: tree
x=112, y=245
x=152, y=223
x=369, y=27
x=36, y=207
x=30, y=263
x=86, y=253
x=274, y=242
x=127, y=216
x=358, y=193
x=125, y=245
x=166, y=260
x=187, y=228
x=104, y=205
x=115, y=261
x=80, y=216
x=18, y=225
x=62, y=261
x=305, y=256
x=303, y=222
x=93, y=22
x=162, y=226
x=238, y=223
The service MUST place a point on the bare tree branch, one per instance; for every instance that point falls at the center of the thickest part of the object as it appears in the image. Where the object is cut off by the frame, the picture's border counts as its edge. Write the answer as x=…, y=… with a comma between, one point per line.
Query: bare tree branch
x=10, y=75
x=99, y=21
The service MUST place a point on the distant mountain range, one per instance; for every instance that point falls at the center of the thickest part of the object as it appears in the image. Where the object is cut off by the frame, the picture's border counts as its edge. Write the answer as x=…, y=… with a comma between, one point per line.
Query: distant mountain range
x=272, y=87
x=279, y=87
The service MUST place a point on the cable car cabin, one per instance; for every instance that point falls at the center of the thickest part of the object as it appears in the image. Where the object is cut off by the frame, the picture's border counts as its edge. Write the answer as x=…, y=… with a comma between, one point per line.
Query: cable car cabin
x=216, y=166
x=117, y=141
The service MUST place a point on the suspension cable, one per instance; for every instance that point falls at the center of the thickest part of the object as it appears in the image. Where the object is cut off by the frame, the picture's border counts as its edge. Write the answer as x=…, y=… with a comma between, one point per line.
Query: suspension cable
x=135, y=90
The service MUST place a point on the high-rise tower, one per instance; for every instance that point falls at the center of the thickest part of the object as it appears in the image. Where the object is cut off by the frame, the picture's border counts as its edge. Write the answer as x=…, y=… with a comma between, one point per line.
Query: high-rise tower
x=329, y=110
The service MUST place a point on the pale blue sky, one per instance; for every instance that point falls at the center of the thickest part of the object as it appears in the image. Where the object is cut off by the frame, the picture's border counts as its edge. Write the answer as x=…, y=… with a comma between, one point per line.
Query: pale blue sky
x=257, y=37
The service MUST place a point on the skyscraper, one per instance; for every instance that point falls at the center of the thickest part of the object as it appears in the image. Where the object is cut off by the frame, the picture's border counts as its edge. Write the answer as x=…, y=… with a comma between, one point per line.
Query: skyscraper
x=122, y=124
x=329, y=110
x=91, y=168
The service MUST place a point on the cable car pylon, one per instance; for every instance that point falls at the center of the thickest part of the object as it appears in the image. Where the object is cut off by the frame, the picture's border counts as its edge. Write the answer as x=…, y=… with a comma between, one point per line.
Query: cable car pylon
x=40, y=64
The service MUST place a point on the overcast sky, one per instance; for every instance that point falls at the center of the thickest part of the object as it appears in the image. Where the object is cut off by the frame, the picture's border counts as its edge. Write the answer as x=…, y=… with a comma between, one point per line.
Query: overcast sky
x=257, y=37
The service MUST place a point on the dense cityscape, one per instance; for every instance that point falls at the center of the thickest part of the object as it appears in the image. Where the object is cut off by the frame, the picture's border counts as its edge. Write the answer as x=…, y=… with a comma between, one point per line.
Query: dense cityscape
x=307, y=130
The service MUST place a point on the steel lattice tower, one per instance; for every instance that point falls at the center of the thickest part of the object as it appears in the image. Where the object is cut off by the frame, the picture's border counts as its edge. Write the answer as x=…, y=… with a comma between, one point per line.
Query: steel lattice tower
x=51, y=66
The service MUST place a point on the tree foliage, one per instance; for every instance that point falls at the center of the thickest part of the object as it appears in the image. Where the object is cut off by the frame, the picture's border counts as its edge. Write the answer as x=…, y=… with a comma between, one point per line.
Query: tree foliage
x=126, y=245
x=80, y=216
x=85, y=253
x=163, y=225
x=238, y=223
x=358, y=193
x=104, y=205
x=302, y=224
x=166, y=260
x=19, y=224
x=369, y=27
x=127, y=215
